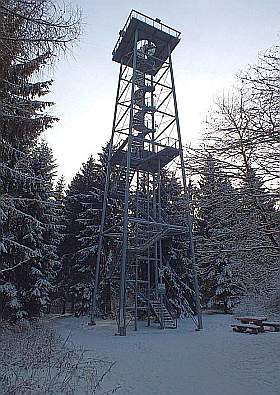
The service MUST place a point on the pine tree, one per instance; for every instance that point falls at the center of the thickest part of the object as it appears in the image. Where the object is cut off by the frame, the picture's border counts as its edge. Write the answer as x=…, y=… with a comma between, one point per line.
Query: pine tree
x=178, y=275
x=29, y=38
x=215, y=224
x=59, y=190
x=22, y=122
x=258, y=236
x=49, y=212
x=83, y=205
x=227, y=286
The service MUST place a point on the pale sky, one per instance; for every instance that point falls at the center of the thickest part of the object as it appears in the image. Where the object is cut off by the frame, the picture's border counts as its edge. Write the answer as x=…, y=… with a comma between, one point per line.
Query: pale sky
x=219, y=38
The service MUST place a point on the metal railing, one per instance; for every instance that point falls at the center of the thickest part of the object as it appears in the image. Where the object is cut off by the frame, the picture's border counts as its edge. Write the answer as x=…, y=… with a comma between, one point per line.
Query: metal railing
x=156, y=23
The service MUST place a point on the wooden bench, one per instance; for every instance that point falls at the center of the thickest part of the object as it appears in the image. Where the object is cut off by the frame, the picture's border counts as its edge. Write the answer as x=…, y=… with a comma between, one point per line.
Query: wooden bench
x=275, y=325
x=247, y=328
x=255, y=325
x=252, y=320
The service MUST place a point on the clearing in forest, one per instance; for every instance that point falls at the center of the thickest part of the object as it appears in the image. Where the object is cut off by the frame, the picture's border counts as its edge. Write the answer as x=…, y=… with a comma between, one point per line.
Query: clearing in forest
x=215, y=361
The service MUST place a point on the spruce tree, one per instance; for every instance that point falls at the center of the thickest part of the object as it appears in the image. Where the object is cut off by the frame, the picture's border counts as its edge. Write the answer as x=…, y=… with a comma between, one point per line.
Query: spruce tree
x=30, y=35
x=59, y=190
x=49, y=212
x=83, y=203
x=225, y=293
x=216, y=223
x=178, y=275
x=258, y=230
x=22, y=122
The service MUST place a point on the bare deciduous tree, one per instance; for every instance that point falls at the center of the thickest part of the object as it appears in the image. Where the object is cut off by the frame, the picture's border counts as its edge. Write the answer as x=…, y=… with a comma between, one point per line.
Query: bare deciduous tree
x=32, y=28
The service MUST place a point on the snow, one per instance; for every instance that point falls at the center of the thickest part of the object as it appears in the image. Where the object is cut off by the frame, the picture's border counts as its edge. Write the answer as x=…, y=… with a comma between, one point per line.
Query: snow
x=215, y=361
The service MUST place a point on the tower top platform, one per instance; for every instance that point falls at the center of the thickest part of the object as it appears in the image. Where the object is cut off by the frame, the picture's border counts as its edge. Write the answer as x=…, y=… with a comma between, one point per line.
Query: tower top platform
x=162, y=36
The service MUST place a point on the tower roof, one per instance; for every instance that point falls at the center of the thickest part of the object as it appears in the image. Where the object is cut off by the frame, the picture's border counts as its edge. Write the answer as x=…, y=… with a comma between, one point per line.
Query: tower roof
x=164, y=37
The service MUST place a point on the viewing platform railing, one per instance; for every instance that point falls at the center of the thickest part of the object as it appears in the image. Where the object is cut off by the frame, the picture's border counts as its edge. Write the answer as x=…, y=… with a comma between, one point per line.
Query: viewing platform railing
x=156, y=23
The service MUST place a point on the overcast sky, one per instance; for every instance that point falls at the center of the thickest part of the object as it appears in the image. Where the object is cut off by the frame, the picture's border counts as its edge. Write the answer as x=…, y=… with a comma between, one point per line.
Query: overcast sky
x=219, y=38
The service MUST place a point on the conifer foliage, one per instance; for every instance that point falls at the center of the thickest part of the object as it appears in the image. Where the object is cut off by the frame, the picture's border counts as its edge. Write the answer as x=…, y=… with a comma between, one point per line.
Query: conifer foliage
x=49, y=237
x=216, y=225
x=83, y=204
x=237, y=208
x=177, y=271
x=226, y=286
x=31, y=33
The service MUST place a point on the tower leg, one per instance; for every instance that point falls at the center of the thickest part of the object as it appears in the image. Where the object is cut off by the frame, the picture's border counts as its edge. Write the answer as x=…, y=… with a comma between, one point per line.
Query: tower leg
x=122, y=302
x=189, y=218
x=95, y=282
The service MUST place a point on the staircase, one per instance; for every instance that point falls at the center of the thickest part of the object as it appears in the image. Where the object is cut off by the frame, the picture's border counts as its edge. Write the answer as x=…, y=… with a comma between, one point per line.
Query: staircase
x=151, y=226
x=163, y=315
x=118, y=187
x=160, y=310
x=138, y=121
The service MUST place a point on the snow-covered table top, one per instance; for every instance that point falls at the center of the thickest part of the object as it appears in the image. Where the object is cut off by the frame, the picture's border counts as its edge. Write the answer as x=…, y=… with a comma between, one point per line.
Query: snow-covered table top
x=252, y=318
x=250, y=326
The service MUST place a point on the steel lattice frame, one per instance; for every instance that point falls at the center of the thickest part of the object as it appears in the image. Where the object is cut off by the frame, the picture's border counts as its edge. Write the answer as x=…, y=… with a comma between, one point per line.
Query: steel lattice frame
x=145, y=139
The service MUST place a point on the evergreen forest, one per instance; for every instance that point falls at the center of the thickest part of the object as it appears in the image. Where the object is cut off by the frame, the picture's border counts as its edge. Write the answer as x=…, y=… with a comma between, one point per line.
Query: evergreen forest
x=49, y=229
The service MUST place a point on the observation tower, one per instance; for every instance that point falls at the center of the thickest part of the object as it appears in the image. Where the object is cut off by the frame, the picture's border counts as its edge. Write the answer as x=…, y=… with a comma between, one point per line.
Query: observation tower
x=145, y=142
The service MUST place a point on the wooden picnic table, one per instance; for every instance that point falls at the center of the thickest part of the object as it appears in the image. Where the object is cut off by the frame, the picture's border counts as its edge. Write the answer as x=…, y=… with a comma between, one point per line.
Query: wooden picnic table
x=246, y=328
x=249, y=324
x=272, y=324
x=253, y=324
x=252, y=320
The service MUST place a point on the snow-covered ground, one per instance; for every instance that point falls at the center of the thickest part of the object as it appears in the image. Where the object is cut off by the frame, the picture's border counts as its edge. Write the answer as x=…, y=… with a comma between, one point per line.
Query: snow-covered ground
x=215, y=361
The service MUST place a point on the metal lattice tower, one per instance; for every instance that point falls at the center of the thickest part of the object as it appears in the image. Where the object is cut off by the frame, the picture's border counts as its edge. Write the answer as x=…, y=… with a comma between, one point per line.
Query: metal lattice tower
x=145, y=139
